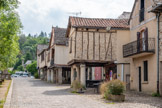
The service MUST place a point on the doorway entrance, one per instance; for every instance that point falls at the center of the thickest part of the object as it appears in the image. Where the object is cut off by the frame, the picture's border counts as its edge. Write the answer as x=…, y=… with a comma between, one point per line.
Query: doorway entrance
x=140, y=85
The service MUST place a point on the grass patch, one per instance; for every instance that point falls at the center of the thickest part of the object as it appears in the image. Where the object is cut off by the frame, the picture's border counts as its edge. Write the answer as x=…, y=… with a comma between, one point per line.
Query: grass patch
x=110, y=103
x=156, y=95
x=8, y=88
x=73, y=92
x=3, y=101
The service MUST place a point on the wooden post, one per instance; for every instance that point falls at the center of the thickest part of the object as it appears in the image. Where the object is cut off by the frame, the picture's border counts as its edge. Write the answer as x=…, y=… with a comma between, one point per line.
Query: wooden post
x=88, y=45
x=82, y=45
x=99, y=46
x=75, y=44
x=93, y=45
x=105, y=41
x=107, y=50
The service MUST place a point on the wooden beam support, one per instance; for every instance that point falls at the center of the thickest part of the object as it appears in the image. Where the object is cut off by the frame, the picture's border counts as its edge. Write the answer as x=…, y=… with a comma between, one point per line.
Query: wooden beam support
x=82, y=45
x=96, y=31
x=93, y=45
x=99, y=46
x=105, y=41
x=75, y=44
x=107, y=50
x=88, y=45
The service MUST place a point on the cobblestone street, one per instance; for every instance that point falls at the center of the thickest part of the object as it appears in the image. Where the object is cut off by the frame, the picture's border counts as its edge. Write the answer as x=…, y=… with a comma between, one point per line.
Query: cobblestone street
x=31, y=93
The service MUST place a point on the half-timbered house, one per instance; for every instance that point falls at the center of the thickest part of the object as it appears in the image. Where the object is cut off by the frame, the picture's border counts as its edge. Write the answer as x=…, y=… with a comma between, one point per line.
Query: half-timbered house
x=95, y=48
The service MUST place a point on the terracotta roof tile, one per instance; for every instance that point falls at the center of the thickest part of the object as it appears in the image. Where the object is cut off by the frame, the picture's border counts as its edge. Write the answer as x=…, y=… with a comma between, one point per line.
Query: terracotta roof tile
x=98, y=23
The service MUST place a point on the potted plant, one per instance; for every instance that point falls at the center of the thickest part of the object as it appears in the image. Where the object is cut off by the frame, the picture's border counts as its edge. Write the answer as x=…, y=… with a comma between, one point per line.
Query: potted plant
x=77, y=87
x=114, y=90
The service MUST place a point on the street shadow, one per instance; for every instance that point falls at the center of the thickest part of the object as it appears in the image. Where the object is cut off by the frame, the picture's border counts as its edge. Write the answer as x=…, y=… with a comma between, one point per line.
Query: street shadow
x=59, y=92
x=134, y=98
x=142, y=98
x=41, y=83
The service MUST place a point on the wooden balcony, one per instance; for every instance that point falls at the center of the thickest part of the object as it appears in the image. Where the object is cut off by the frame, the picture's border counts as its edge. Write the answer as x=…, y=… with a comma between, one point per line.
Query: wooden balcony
x=139, y=48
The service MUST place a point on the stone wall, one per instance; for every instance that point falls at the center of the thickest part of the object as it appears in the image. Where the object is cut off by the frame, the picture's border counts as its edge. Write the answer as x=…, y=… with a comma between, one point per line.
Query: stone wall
x=160, y=41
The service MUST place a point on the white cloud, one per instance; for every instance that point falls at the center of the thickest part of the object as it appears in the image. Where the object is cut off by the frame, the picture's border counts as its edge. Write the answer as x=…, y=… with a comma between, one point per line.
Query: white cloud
x=37, y=15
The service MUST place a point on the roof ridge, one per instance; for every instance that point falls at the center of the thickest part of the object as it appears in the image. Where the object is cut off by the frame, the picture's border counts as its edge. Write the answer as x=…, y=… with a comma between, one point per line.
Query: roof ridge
x=97, y=18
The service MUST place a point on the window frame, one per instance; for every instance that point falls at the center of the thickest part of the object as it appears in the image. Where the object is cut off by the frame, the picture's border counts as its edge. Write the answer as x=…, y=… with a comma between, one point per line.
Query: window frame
x=145, y=70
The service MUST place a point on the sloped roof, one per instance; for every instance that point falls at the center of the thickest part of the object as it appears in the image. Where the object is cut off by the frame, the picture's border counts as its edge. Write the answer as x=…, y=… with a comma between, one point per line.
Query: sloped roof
x=41, y=47
x=98, y=22
x=28, y=62
x=125, y=15
x=59, y=36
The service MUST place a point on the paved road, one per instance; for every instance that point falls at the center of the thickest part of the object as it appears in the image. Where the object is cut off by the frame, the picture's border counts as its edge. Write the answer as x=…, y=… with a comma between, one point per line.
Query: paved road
x=31, y=93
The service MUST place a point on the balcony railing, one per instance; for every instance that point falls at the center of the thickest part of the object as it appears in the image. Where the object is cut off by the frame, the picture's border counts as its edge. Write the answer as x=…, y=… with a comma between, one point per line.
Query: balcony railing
x=52, y=62
x=141, y=15
x=139, y=46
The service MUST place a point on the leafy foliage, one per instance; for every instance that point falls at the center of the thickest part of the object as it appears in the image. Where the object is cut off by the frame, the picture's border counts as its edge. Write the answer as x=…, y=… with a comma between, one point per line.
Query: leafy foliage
x=76, y=85
x=20, y=68
x=104, y=88
x=36, y=75
x=28, y=46
x=32, y=68
x=115, y=87
x=155, y=94
x=10, y=27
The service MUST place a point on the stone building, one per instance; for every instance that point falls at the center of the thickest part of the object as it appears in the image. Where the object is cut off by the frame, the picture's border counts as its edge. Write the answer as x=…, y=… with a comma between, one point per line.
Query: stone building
x=58, y=70
x=143, y=48
x=40, y=61
x=96, y=44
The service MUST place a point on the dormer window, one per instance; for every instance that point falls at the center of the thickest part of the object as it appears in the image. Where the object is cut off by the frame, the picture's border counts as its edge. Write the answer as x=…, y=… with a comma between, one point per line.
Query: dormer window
x=142, y=11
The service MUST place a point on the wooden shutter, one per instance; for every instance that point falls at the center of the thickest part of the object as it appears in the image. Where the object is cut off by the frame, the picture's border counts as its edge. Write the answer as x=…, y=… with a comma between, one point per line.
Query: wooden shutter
x=146, y=38
x=138, y=41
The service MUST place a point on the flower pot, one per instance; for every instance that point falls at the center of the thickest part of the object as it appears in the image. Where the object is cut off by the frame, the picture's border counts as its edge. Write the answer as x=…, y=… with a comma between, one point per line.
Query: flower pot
x=118, y=98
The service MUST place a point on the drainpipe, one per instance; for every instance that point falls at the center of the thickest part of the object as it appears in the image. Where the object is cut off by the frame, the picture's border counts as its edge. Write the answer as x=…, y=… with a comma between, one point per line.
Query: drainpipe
x=158, y=19
x=122, y=75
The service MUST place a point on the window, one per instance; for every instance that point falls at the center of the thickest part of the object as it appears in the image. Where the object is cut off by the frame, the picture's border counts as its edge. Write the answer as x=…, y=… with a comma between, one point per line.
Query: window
x=145, y=70
x=53, y=51
x=142, y=40
x=142, y=11
x=42, y=56
x=48, y=56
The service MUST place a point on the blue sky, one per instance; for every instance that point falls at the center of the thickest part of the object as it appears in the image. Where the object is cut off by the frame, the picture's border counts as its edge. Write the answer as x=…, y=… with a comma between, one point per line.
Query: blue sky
x=41, y=15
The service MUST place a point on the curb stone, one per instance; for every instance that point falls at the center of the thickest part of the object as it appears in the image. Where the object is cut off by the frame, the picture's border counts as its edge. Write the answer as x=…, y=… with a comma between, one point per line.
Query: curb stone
x=9, y=96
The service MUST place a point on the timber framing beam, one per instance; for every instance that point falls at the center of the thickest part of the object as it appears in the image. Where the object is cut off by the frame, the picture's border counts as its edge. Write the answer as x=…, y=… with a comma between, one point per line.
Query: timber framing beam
x=89, y=62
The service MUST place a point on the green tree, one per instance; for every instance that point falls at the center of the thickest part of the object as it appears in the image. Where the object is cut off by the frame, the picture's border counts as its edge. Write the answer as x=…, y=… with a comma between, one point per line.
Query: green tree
x=32, y=68
x=20, y=68
x=42, y=34
x=10, y=27
x=28, y=57
x=18, y=63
